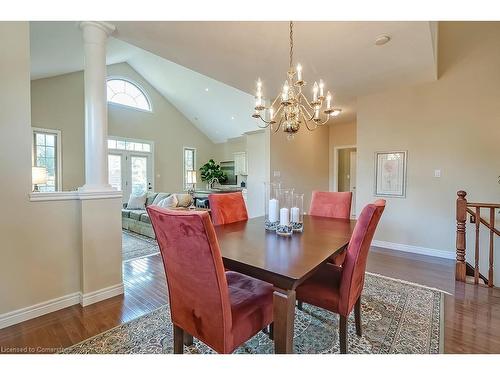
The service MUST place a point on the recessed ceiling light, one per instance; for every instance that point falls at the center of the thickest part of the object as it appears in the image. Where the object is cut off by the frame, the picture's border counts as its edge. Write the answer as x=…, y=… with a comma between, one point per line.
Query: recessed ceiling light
x=232, y=117
x=382, y=39
x=206, y=89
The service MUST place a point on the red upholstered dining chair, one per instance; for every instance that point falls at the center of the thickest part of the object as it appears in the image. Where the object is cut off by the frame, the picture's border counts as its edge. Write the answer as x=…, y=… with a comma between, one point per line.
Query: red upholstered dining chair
x=227, y=208
x=335, y=205
x=222, y=309
x=338, y=289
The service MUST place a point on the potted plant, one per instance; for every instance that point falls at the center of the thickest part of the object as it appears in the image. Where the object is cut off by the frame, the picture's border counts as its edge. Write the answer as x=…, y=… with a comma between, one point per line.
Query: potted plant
x=211, y=173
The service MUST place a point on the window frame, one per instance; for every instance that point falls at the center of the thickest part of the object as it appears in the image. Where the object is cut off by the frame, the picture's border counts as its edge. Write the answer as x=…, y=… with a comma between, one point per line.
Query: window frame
x=138, y=86
x=57, y=154
x=184, y=170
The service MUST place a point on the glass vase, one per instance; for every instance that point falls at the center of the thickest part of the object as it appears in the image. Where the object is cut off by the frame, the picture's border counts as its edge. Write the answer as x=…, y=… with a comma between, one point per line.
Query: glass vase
x=271, y=204
x=284, y=227
x=297, y=212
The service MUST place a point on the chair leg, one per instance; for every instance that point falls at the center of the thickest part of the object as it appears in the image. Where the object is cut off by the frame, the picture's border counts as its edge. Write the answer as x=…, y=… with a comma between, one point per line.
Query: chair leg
x=343, y=334
x=357, y=316
x=299, y=305
x=271, y=331
x=178, y=340
x=188, y=339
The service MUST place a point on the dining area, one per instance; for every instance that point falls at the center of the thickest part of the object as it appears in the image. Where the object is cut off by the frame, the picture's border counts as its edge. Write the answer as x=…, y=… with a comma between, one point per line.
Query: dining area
x=230, y=278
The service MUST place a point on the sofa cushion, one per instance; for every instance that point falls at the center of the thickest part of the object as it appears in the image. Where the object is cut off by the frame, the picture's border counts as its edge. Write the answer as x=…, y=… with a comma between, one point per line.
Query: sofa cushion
x=145, y=218
x=136, y=202
x=125, y=213
x=136, y=214
x=159, y=197
x=168, y=202
x=150, y=197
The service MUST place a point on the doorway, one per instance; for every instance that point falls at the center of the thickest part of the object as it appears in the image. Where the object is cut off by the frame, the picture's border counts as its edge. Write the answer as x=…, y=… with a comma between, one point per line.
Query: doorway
x=345, y=172
x=130, y=170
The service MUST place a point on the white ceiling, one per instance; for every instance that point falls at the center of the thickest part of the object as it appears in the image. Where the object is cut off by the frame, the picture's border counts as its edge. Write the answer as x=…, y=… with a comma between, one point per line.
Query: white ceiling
x=228, y=57
x=57, y=48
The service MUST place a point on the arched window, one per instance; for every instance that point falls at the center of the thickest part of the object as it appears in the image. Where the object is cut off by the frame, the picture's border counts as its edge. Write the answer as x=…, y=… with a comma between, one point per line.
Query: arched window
x=123, y=92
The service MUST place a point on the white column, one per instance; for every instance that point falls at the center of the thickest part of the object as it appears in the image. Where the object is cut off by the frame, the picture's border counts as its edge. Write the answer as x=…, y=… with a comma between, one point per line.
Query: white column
x=95, y=35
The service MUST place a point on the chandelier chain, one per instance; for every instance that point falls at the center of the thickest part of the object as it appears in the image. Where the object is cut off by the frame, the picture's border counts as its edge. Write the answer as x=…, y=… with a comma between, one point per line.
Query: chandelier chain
x=291, y=44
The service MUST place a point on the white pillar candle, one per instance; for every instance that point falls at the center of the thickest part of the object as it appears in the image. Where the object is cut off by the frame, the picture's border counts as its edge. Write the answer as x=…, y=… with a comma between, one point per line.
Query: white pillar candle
x=295, y=213
x=284, y=218
x=273, y=210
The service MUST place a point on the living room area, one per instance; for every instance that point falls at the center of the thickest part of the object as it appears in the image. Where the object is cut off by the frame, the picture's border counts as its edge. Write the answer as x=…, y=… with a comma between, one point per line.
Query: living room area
x=274, y=186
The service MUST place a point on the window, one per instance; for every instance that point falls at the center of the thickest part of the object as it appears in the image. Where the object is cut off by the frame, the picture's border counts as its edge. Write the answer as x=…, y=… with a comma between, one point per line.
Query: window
x=47, y=153
x=128, y=145
x=189, y=164
x=123, y=92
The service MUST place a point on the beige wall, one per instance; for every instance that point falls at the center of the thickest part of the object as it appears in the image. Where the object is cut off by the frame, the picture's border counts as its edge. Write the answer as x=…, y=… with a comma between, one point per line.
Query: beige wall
x=303, y=162
x=57, y=103
x=34, y=266
x=341, y=135
x=226, y=149
x=452, y=124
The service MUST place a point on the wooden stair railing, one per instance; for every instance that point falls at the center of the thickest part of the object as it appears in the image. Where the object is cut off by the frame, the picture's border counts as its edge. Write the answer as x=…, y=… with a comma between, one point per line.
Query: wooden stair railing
x=474, y=210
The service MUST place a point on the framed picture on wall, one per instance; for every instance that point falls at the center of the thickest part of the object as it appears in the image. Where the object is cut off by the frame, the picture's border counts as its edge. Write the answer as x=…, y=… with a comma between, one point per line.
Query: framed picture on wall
x=390, y=174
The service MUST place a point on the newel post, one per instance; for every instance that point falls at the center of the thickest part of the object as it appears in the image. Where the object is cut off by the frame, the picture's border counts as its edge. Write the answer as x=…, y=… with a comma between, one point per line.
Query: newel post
x=461, y=218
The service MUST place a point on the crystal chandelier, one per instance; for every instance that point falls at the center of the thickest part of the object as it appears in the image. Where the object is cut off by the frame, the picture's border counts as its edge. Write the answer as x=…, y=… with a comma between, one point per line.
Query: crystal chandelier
x=291, y=108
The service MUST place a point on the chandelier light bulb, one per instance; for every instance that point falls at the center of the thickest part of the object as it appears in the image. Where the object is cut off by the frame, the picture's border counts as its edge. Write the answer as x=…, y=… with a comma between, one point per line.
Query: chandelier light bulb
x=316, y=112
x=315, y=91
x=321, y=87
x=328, y=100
x=286, y=88
x=271, y=113
x=299, y=72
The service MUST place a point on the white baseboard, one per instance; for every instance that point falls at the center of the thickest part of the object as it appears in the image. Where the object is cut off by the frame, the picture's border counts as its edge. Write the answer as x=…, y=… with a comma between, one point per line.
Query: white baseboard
x=34, y=311
x=101, y=294
x=30, y=312
x=414, y=249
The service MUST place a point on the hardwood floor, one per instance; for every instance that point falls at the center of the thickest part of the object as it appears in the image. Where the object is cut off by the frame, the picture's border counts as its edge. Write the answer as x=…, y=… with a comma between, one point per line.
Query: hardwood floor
x=472, y=313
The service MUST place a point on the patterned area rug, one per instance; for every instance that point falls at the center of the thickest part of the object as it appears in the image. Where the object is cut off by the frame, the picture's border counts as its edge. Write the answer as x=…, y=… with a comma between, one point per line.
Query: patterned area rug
x=137, y=246
x=398, y=317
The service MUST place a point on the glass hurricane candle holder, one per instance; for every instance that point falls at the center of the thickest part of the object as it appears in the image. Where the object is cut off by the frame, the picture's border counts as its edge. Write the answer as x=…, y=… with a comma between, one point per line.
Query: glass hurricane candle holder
x=272, y=206
x=284, y=226
x=297, y=213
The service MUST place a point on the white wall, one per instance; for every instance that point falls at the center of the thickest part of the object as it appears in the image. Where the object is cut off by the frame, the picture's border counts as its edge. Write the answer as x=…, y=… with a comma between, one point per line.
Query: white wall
x=258, y=171
x=451, y=124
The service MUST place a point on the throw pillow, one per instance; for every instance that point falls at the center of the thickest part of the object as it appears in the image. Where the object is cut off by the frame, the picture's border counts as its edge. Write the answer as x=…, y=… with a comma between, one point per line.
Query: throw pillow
x=184, y=200
x=159, y=198
x=136, y=202
x=168, y=202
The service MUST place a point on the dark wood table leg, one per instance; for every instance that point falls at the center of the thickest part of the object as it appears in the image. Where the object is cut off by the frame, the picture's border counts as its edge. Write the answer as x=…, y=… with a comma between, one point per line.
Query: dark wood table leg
x=188, y=339
x=284, y=316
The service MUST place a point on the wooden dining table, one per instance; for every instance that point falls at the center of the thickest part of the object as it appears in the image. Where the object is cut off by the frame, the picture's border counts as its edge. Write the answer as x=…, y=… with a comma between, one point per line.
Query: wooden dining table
x=284, y=262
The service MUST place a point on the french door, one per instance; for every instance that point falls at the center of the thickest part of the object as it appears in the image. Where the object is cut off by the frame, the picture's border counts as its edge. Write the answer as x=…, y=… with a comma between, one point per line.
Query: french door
x=131, y=172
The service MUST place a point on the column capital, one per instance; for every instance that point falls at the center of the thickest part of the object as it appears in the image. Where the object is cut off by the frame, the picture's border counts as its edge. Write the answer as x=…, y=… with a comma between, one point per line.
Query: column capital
x=107, y=27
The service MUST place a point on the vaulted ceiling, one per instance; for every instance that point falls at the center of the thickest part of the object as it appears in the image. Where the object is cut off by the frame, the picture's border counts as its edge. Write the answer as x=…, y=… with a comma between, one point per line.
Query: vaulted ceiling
x=184, y=59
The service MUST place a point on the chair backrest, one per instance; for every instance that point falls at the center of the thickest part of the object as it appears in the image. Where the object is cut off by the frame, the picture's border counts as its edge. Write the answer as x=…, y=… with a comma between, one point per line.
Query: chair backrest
x=354, y=266
x=197, y=285
x=331, y=204
x=227, y=208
